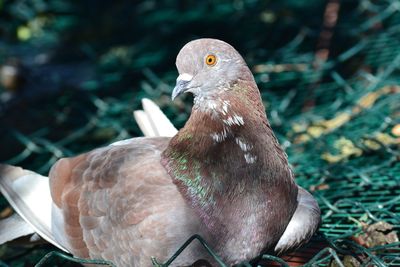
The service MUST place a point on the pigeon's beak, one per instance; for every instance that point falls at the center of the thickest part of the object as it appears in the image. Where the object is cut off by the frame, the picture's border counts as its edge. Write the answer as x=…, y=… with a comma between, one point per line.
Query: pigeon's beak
x=181, y=86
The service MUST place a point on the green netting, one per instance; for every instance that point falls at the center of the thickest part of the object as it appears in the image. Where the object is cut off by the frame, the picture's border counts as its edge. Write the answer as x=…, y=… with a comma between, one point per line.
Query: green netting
x=338, y=120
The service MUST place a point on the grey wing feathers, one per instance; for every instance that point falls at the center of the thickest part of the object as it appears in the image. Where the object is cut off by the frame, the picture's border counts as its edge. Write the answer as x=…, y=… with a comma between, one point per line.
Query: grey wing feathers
x=303, y=225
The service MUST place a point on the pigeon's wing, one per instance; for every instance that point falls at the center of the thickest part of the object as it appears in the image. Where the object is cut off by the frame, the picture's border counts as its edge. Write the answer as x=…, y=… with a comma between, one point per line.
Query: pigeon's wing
x=18, y=185
x=303, y=225
x=152, y=121
x=118, y=203
x=29, y=195
x=14, y=227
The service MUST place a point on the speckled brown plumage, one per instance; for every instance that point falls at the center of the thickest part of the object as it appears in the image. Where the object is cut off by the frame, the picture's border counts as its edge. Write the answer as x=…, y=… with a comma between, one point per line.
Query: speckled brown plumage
x=223, y=176
x=118, y=203
x=262, y=194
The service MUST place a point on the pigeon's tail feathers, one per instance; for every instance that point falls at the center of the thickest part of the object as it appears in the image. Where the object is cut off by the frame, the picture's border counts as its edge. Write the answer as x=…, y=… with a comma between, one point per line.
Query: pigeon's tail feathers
x=152, y=121
x=304, y=223
x=29, y=195
x=16, y=227
x=144, y=123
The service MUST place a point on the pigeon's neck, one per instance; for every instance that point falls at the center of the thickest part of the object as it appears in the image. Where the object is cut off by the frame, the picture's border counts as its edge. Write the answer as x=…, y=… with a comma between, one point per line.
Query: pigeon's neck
x=227, y=158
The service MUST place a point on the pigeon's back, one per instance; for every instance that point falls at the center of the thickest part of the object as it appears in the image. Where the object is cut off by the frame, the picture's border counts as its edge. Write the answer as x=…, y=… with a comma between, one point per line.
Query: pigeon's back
x=118, y=203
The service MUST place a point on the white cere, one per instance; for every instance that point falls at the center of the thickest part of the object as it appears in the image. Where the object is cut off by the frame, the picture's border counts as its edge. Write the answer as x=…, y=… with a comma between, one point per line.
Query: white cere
x=184, y=77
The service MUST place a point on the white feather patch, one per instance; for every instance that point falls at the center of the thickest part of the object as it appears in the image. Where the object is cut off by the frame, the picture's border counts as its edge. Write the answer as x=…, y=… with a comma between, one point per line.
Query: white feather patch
x=29, y=194
x=152, y=121
x=221, y=136
x=243, y=145
x=184, y=77
x=225, y=105
x=14, y=227
x=250, y=158
x=144, y=123
x=234, y=120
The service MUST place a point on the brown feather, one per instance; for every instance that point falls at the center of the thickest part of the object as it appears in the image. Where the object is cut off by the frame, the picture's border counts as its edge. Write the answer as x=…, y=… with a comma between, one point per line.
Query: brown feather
x=119, y=204
x=263, y=194
x=223, y=176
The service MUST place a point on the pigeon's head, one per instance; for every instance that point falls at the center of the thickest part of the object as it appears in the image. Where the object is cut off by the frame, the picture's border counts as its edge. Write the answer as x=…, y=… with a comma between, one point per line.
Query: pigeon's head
x=207, y=66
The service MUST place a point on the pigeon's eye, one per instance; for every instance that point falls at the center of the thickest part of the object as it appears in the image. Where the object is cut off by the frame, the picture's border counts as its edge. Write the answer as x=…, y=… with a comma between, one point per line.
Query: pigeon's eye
x=211, y=60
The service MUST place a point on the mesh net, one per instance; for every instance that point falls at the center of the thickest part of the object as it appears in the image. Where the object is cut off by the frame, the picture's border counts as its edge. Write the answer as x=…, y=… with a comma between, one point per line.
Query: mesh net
x=338, y=117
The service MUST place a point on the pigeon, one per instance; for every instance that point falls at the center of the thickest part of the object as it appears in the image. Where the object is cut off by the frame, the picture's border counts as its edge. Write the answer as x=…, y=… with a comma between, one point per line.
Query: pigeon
x=223, y=176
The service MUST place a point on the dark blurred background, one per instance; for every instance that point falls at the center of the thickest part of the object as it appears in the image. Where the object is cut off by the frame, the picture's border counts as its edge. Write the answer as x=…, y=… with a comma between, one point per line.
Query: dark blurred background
x=72, y=72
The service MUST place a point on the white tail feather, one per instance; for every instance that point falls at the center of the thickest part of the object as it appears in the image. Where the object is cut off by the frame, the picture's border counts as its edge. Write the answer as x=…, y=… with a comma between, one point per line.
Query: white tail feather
x=16, y=227
x=152, y=121
x=144, y=123
x=29, y=195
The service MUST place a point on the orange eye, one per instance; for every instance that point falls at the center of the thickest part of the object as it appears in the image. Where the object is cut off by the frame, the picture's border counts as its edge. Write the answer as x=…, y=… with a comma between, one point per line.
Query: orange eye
x=211, y=60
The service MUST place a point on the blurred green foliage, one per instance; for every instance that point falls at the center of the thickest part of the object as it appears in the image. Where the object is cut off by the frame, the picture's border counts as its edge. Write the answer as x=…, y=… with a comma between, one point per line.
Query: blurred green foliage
x=83, y=66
